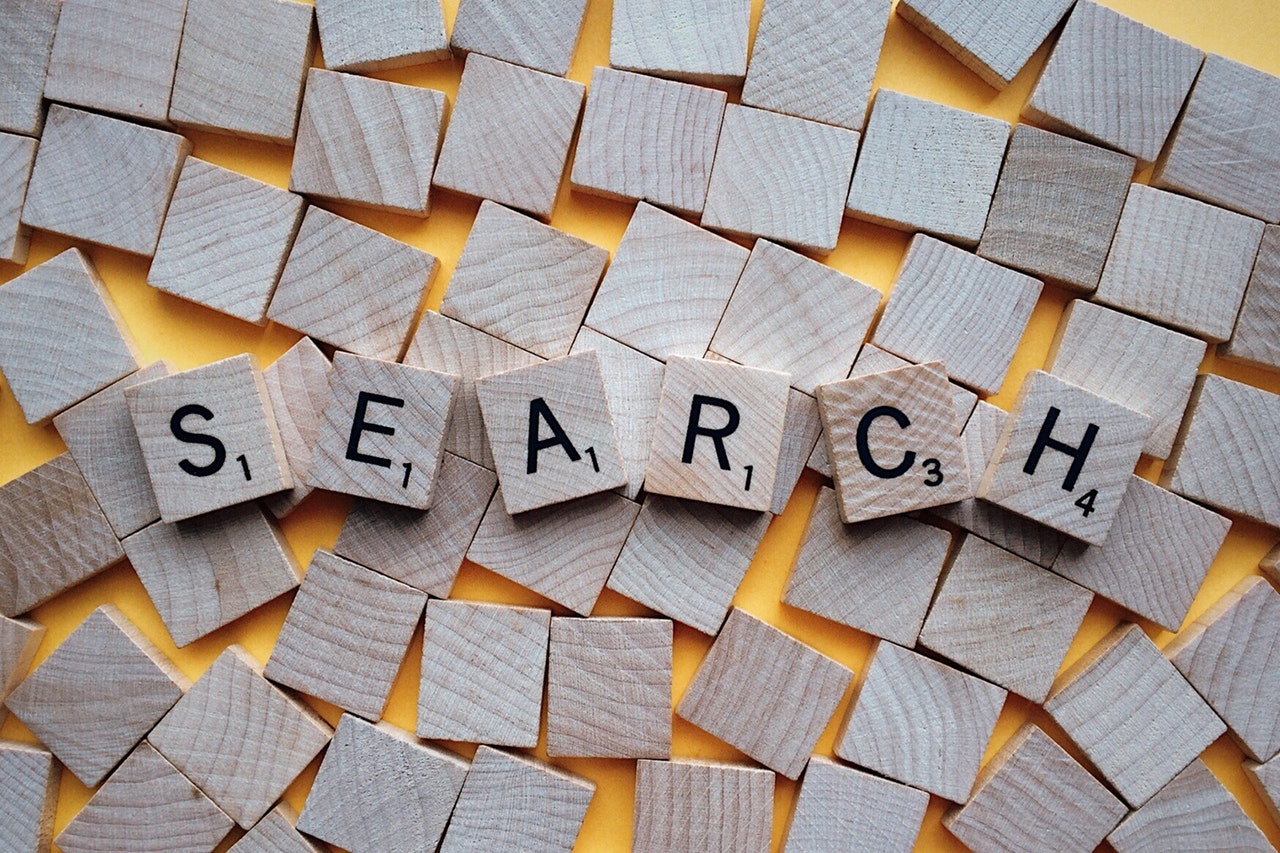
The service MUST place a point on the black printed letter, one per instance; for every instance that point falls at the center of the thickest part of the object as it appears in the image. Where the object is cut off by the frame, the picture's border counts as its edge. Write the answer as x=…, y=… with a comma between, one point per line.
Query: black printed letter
x=539, y=411
x=1078, y=454
x=219, y=449
x=864, y=448
x=717, y=436
x=360, y=425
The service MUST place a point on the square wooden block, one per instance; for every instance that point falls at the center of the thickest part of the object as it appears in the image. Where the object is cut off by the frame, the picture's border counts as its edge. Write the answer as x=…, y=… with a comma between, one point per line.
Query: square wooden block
x=103, y=180
x=1265, y=779
x=30, y=780
x=297, y=386
x=801, y=431
x=364, y=37
x=346, y=635
x=25, y=43
x=242, y=67
x=765, y=693
x=483, y=667
x=1087, y=88
x=509, y=135
x=1253, y=341
x=1195, y=810
x=927, y=167
x=522, y=281
x=19, y=639
x=539, y=35
x=275, y=833
x=693, y=40
x=17, y=159
x=702, y=805
x=841, y=808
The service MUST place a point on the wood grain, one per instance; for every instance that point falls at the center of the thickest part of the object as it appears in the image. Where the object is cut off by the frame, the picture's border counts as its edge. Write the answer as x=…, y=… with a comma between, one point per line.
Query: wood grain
x=17, y=158
x=19, y=639
x=690, y=806
x=841, y=808
x=25, y=43
x=1252, y=340
x=700, y=41
x=1193, y=811
x=275, y=833
x=801, y=431
x=363, y=36
x=297, y=386
x=30, y=780
x=1265, y=779
x=540, y=35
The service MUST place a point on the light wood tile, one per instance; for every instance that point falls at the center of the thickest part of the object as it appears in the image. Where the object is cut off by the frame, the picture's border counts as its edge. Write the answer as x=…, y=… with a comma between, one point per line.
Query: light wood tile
x=297, y=386
x=1194, y=811
x=840, y=808
x=1266, y=781
x=17, y=158
x=692, y=806
x=30, y=780
x=364, y=37
x=801, y=431
x=540, y=35
x=19, y=639
x=25, y=43
x=1253, y=341
x=275, y=833
x=693, y=40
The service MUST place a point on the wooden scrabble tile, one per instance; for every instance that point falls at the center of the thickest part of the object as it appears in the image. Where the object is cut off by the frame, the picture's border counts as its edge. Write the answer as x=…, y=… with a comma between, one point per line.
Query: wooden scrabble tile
x=1056, y=207
x=239, y=738
x=297, y=386
x=878, y=427
x=275, y=833
x=927, y=167
x=147, y=806
x=204, y=573
x=1253, y=340
x=53, y=535
x=1266, y=780
x=647, y=138
x=692, y=40
x=103, y=180
x=116, y=57
x=524, y=282
x=871, y=359
x=352, y=287
x=346, y=635
x=25, y=43
x=359, y=36
x=1033, y=795
x=686, y=559
x=17, y=158
x=950, y=306
x=1225, y=455
x=1115, y=81
x=765, y=693
x=483, y=667
x=702, y=805
x=242, y=67
x=225, y=240
x=1132, y=714
x=1193, y=811
x=801, y=430
x=920, y=722
x=1153, y=527
x=1065, y=457
x=841, y=808
x=97, y=694
x=423, y=549
x=19, y=639
x=877, y=576
x=30, y=781
x=509, y=134
x=1223, y=148
x=539, y=35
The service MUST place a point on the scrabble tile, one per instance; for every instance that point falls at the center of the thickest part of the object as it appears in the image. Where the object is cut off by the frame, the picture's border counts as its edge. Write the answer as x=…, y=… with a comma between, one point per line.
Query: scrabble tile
x=686, y=559
x=1253, y=341
x=1112, y=80
x=1180, y=262
x=1032, y=795
x=692, y=40
x=1265, y=779
x=871, y=359
x=765, y=693
x=97, y=694
x=1132, y=714
x=1065, y=457
x=422, y=548
x=877, y=576
x=509, y=135
x=1153, y=527
x=1223, y=148
x=103, y=180
x=647, y=138
x=1225, y=456
x=53, y=535
x=483, y=667
x=359, y=36
x=840, y=808
x=524, y=282
x=1056, y=207
x=275, y=833
x=920, y=722
x=25, y=43
x=539, y=35
x=801, y=430
x=146, y=806
x=17, y=158
x=19, y=639
x=702, y=805
x=927, y=167
x=298, y=387
x=242, y=67
x=225, y=240
x=346, y=635
x=408, y=789
x=511, y=802
x=950, y=306
x=609, y=688
x=204, y=573
x=30, y=781
x=116, y=57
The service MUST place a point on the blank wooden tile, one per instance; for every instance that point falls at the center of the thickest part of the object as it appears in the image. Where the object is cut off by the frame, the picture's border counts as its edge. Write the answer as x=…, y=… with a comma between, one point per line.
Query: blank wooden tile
x=103, y=180
x=297, y=386
x=927, y=167
x=97, y=694
x=801, y=431
x=950, y=306
x=765, y=693
x=920, y=722
x=701, y=805
x=1253, y=341
x=346, y=635
x=509, y=135
x=242, y=67
x=30, y=780
x=25, y=42
x=1056, y=206
x=1032, y=795
x=1266, y=781
x=204, y=573
x=522, y=281
x=360, y=36
x=840, y=808
x=483, y=667
x=1112, y=80
x=693, y=40
x=540, y=35
x=1132, y=714
x=17, y=158
x=1194, y=811
x=19, y=639
x=275, y=833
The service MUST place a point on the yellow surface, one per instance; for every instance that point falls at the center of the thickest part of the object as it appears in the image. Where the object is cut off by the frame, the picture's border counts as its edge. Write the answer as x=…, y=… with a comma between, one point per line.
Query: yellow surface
x=188, y=335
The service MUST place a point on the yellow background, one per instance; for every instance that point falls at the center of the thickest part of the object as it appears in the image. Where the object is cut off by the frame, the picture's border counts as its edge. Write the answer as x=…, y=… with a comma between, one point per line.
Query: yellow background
x=188, y=335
